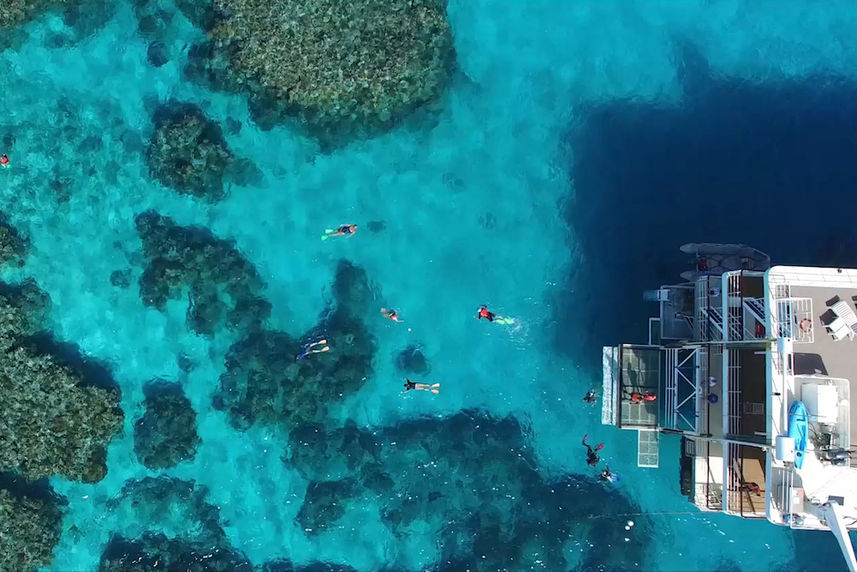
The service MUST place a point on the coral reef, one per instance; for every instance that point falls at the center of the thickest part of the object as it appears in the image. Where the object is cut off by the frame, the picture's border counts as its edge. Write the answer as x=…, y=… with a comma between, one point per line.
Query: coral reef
x=342, y=67
x=324, y=504
x=284, y=565
x=157, y=552
x=121, y=278
x=166, y=434
x=173, y=505
x=264, y=384
x=82, y=17
x=89, y=136
x=221, y=284
x=188, y=152
x=22, y=312
x=13, y=247
x=412, y=360
x=54, y=422
x=15, y=12
x=30, y=525
x=478, y=472
x=156, y=54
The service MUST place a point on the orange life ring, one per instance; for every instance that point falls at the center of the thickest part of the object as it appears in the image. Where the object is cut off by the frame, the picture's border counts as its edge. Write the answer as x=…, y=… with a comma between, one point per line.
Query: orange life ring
x=805, y=325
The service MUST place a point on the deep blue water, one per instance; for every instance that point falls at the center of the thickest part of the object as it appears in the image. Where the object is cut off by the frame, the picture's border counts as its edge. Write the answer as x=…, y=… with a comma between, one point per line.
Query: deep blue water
x=577, y=146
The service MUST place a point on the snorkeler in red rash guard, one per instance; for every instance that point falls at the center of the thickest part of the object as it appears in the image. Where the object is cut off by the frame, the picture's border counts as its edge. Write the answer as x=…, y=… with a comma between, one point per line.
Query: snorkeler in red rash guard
x=484, y=313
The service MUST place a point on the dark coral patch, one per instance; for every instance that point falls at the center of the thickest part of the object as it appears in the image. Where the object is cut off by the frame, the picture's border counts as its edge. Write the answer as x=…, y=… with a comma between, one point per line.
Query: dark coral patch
x=156, y=54
x=121, y=278
x=83, y=16
x=222, y=287
x=324, y=504
x=285, y=565
x=263, y=383
x=171, y=503
x=412, y=360
x=30, y=524
x=479, y=473
x=13, y=246
x=157, y=552
x=58, y=415
x=188, y=152
x=166, y=434
x=380, y=60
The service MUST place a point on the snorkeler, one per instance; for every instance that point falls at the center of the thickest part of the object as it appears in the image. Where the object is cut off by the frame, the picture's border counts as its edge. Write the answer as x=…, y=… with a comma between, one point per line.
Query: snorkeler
x=4, y=160
x=391, y=315
x=343, y=230
x=592, y=454
x=409, y=385
x=608, y=476
x=590, y=396
x=312, y=349
x=484, y=313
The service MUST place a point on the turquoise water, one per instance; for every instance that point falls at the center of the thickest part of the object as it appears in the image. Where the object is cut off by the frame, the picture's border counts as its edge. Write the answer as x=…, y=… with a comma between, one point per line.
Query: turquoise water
x=475, y=199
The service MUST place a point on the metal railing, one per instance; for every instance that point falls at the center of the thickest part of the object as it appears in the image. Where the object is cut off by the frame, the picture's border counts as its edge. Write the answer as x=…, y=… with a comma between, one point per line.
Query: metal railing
x=708, y=495
x=734, y=391
x=778, y=291
x=783, y=482
x=738, y=500
x=794, y=319
x=734, y=307
x=709, y=321
x=677, y=379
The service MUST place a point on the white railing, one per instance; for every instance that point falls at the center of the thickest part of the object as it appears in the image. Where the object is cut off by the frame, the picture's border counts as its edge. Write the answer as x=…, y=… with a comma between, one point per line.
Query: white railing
x=783, y=482
x=708, y=496
x=754, y=311
x=794, y=318
x=778, y=290
x=701, y=294
x=734, y=392
x=732, y=307
x=676, y=378
x=709, y=320
x=756, y=306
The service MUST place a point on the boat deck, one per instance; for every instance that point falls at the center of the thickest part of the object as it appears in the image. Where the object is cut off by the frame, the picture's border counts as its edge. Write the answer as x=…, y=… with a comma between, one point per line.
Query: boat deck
x=825, y=356
x=803, y=296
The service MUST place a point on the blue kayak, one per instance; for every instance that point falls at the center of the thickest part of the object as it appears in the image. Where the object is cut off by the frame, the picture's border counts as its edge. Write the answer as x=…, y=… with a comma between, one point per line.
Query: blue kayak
x=798, y=430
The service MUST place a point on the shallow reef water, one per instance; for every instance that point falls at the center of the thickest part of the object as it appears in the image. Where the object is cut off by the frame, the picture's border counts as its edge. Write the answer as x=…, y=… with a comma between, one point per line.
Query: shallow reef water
x=195, y=371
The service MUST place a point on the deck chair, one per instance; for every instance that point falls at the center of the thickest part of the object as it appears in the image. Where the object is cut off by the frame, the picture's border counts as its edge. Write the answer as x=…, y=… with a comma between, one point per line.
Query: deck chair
x=844, y=311
x=839, y=329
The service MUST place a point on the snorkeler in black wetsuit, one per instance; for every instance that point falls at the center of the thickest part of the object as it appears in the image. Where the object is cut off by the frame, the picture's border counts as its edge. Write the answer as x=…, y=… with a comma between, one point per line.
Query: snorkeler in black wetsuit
x=606, y=475
x=312, y=348
x=409, y=385
x=590, y=396
x=592, y=454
